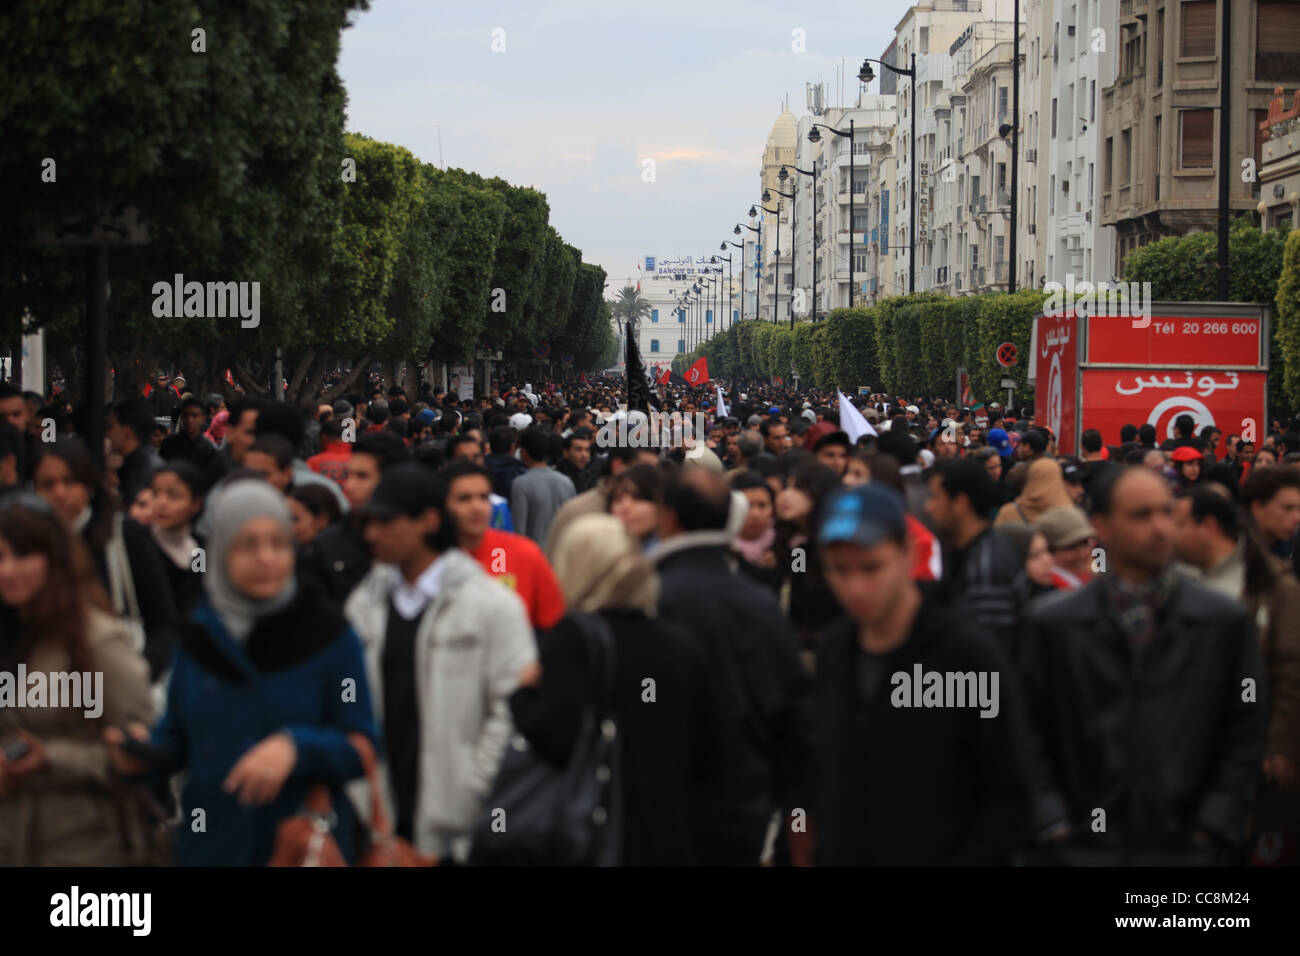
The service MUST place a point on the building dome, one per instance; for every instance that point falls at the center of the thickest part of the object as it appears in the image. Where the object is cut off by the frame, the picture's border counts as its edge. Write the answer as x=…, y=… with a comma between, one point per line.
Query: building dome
x=785, y=131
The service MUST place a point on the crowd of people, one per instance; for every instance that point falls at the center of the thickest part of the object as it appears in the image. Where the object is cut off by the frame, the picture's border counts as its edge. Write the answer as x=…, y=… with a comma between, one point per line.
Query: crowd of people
x=939, y=641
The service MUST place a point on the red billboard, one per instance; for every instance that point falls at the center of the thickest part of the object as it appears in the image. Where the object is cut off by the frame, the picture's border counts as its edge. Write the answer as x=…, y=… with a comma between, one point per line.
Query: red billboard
x=1056, y=376
x=1176, y=340
x=1114, y=397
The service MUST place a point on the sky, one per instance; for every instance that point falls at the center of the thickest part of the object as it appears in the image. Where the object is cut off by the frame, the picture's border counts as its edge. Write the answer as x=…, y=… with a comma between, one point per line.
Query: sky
x=585, y=91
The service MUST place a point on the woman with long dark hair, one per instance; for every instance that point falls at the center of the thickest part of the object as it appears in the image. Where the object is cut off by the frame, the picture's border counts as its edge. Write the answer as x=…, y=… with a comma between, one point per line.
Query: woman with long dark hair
x=127, y=563
x=803, y=591
x=60, y=803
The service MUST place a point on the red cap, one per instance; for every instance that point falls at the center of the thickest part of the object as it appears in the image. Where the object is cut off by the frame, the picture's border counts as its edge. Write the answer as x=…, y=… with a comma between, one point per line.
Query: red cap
x=1187, y=453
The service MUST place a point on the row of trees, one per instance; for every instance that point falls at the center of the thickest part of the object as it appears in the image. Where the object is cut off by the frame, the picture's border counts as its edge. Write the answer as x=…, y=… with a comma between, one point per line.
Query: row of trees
x=223, y=129
x=913, y=344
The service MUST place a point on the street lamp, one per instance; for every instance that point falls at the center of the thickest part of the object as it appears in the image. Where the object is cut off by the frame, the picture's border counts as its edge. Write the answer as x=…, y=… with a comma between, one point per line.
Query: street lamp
x=704, y=317
x=783, y=176
x=758, y=270
x=816, y=137
x=776, y=296
x=866, y=75
x=813, y=173
x=731, y=275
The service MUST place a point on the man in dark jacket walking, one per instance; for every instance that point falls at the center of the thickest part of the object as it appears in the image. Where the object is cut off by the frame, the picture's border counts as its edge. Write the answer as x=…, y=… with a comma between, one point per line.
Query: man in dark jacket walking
x=1145, y=695
x=762, y=689
x=920, y=732
x=982, y=572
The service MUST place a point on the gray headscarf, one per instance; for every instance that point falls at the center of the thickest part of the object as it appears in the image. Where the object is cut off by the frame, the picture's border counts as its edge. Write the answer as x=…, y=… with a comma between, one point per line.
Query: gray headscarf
x=239, y=503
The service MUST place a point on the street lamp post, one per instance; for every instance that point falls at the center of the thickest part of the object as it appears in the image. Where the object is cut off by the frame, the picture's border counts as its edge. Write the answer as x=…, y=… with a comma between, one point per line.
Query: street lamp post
x=866, y=75
x=731, y=276
x=759, y=291
x=776, y=296
x=815, y=137
x=783, y=176
x=813, y=173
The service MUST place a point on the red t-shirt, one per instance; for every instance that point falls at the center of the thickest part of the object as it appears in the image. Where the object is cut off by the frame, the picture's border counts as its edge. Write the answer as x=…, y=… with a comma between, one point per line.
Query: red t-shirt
x=521, y=566
x=333, y=461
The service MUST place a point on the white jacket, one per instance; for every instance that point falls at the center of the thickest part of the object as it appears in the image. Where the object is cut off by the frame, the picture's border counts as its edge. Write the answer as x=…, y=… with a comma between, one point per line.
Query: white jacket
x=473, y=640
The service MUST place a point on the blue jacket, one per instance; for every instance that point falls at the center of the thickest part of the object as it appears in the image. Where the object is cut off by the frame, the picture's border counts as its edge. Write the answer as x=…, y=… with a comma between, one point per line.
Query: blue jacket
x=301, y=671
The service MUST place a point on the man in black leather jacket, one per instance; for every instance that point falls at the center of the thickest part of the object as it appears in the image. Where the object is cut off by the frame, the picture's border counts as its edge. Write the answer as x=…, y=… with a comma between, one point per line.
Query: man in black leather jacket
x=1145, y=695
x=982, y=571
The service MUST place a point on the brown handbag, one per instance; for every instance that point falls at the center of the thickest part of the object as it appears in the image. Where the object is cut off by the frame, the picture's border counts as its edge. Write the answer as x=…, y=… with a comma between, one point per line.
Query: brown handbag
x=304, y=839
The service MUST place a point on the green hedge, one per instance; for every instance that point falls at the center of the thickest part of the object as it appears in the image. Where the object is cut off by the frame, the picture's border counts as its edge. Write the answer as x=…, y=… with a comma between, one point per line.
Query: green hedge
x=910, y=345
x=1286, y=327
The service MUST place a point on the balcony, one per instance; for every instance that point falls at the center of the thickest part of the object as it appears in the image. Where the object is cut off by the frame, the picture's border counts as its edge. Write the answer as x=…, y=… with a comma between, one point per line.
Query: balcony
x=1129, y=9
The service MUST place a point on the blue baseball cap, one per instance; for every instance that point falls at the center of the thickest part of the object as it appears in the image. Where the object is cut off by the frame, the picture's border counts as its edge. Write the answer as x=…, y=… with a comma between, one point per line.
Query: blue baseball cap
x=865, y=516
x=426, y=416
x=999, y=439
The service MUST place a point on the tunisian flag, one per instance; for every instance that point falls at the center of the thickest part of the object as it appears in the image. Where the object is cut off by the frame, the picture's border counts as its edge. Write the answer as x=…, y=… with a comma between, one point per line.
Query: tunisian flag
x=698, y=374
x=666, y=377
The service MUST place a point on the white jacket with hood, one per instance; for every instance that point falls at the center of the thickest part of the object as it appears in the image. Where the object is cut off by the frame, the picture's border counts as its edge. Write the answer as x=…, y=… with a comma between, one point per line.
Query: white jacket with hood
x=473, y=641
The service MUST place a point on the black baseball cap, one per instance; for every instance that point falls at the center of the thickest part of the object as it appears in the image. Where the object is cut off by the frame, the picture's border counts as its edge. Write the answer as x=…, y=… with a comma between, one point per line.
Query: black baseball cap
x=865, y=516
x=408, y=489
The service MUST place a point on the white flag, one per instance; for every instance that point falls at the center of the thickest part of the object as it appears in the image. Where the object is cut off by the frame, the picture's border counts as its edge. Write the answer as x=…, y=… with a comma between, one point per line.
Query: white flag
x=852, y=422
x=722, y=406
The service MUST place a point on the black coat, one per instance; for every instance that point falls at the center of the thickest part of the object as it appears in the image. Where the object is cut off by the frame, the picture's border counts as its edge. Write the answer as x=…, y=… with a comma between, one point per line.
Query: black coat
x=671, y=745
x=180, y=447
x=764, y=694
x=338, y=559
x=1163, y=742
x=909, y=786
x=985, y=584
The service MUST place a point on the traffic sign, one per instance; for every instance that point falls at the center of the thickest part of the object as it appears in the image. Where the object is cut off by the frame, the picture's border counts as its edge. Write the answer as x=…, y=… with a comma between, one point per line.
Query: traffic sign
x=1007, y=353
x=1008, y=383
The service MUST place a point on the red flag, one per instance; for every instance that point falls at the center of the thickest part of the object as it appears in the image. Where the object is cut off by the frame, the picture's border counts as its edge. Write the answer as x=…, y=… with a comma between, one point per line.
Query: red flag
x=666, y=377
x=698, y=374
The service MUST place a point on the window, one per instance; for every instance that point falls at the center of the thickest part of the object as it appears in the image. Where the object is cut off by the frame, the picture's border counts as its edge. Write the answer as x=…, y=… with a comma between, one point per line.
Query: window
x=1092, y=103
x=1002, y=103
x=1197, y=139
x=654, y=345
x=681, y=315
x=1126, y=157
x=1051, y=195
x=1090, y=185
x=1277, y=41
x=859, y=222
x=1198, y=28
x=1053, y=117
x=1109, y=177
x=708, y=316
x=654, y=315
x=974, y=257
x=859, y=262
x=681, y=345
